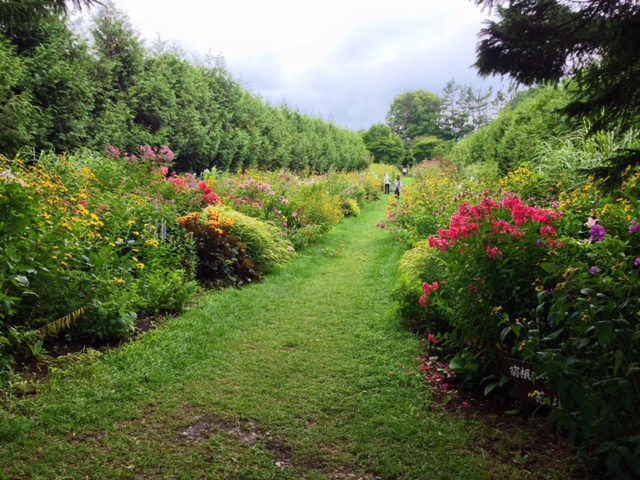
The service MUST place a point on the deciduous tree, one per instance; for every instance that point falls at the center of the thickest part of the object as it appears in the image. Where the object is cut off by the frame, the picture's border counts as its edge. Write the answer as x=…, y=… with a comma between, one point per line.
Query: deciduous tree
x=414, y=114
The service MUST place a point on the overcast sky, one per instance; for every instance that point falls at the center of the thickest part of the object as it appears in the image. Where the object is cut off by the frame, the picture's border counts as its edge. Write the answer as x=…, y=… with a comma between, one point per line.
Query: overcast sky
x=341, y=60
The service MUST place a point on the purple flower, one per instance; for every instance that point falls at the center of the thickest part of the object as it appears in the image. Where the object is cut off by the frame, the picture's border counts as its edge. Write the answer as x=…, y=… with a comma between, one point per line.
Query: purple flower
x=634, y=227
x=597, y=233
x=593, y=270
x=637, y=262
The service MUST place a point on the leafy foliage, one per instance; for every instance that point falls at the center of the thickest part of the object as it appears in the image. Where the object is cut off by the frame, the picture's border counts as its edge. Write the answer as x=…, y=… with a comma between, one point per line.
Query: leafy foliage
x=414, y=114
x=265, y=242
x=384, y=145
x=588, y=42
x=92, y=242
x=515, y=136
x=548, y=276
x=61, y=92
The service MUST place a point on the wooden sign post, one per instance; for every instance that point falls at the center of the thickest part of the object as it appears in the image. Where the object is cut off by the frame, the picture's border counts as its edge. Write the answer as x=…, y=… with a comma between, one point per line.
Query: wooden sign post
x=527, y=390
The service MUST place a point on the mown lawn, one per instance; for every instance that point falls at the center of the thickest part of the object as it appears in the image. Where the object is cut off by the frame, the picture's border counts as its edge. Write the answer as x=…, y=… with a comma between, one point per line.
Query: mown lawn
x=309, y=375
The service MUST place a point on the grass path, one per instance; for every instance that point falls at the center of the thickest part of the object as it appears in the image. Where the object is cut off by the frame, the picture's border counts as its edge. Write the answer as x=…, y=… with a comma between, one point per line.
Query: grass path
x=288, y=379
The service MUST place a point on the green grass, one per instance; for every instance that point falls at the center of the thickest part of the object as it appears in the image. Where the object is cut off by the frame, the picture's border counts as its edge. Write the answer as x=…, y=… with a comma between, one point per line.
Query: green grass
x=288, y=379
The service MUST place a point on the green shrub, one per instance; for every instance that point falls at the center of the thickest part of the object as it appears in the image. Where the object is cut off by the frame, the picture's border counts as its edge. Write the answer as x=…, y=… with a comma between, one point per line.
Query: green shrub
x=222, y=258
x=265, y=242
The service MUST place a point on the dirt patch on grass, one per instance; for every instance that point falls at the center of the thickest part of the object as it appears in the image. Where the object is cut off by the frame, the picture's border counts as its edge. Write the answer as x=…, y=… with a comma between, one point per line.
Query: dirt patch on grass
x=513, y=432
x=245, y=431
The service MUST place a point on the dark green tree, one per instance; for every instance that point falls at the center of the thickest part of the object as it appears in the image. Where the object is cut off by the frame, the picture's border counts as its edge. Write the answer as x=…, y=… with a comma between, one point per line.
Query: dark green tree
x=20, y=20
x=414, y=114
x=594, y=43
x=384, y=145
x=423, y=148
x=118, y=66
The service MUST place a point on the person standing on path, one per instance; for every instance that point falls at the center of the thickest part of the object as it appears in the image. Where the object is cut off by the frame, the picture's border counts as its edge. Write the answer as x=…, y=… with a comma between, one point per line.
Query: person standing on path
x=397, y=185
x=387, y=184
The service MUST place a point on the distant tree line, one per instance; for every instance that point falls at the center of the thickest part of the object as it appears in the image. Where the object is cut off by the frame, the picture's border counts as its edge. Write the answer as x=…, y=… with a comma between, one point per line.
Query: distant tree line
x=62, y=90
x=421, y=124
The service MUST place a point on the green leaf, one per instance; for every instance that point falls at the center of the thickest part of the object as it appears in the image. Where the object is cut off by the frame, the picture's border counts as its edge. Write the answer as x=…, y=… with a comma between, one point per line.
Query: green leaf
x=456, y=364
x=578, y=393
x=618, y=358
x=504, y=333
x=548, y=267
x=489, y=388
x=605, y=447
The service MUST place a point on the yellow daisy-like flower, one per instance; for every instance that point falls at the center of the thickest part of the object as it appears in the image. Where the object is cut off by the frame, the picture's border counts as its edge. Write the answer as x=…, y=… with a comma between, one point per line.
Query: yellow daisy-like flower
x=140, y=266
x=119, y=281
x=131, y=222
x=522, y=345
x=496, y=310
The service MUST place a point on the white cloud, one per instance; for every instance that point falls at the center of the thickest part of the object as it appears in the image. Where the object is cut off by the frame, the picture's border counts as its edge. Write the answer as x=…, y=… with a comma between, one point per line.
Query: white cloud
x=344, y=60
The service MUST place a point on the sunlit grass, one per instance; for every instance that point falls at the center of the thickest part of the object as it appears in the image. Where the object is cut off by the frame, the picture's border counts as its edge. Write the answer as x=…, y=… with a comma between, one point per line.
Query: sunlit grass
x=308, y=375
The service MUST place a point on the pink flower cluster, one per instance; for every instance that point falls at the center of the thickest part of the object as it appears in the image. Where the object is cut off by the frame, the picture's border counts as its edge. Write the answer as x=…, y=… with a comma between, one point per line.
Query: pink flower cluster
x=163, y=155
x=437, y=373
x=467, y=220
x=427, y=291
x=210, y=197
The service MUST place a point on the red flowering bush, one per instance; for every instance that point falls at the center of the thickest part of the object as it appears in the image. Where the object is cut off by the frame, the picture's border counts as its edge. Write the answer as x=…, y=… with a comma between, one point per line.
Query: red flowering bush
x=487, y=257
x=554, y=282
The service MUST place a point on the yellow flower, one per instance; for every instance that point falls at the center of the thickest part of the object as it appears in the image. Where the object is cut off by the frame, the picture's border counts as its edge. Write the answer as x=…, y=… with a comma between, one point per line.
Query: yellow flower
x=131, y=222
x=522, y=345
x=570, y=271
x=140, y=266
x=496, y=310
x=153, y=242
x=119, y=281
